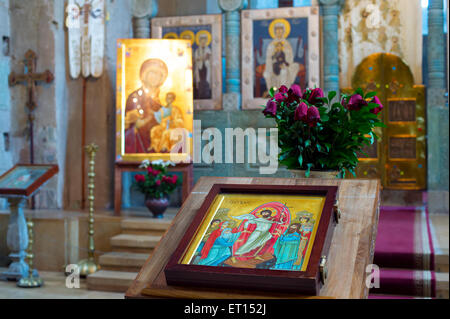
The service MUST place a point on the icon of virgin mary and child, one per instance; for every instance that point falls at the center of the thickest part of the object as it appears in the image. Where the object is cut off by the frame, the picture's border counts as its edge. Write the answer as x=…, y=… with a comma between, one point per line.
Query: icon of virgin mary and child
x=280, y=66
x=148, y=122
x=263, y=240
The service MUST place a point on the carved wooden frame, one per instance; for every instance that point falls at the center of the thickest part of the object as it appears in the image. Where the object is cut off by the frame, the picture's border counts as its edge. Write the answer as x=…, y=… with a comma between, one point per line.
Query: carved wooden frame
x=306, y=282
x=215, y=20
x=248, y=16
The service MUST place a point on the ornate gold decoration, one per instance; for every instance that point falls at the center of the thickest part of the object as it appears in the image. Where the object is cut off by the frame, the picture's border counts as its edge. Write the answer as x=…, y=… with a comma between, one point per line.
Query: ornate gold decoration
x=393, y=81
x=88, y=266
x=32, y=280
x=280, y=22
x=187, y=35
x=170, y=35
x=203, y=33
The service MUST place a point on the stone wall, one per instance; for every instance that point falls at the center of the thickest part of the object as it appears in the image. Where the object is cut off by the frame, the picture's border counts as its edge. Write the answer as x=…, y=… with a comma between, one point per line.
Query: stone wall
x=5, y=100
x=39, y=25
x=100, y=117
x=35, y=25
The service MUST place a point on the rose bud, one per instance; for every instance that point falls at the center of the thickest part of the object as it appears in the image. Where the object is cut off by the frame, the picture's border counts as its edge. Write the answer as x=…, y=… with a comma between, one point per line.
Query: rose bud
x=378, y=109
x=139, y=178
x=280, y=97
x=296, y=90
x=312, y=116
x=174, y=179
x=356, y=103
x=158, y=182
x=283, y=89
x=315, y=95
x=301, y=112
x=271, y=108
x=294, y=94
x=156, y=172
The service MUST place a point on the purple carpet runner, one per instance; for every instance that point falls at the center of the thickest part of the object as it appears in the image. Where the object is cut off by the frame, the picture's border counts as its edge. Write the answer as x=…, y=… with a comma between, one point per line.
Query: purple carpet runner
x=404, y=252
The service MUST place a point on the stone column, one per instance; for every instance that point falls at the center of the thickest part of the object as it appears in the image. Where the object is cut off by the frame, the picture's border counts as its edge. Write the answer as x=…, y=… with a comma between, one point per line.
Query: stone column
x=17, y=240
x=437, y=111
x=231, y=9
x=263, y=4
x=330, y=10
x=143, y=11
x=6, y=161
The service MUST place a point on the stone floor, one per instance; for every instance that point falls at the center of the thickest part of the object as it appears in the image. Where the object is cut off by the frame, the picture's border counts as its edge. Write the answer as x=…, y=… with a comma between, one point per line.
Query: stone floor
x=54, y=288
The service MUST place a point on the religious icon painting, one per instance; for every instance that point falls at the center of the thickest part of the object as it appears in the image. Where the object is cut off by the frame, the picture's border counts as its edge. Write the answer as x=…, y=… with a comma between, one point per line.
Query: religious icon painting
x=205, y=35
x=154, y=100
x=279, y=47
x=261, y=237
x=25, y=179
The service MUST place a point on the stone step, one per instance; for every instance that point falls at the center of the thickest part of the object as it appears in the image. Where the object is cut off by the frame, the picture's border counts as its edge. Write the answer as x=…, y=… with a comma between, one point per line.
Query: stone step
x=159, y=233
x=145, y=225
x=135, y=250
x=441, y=259
x=440, y=234
x=115, y=281
x=123, y=261
x=442, y=283
x=145, y=242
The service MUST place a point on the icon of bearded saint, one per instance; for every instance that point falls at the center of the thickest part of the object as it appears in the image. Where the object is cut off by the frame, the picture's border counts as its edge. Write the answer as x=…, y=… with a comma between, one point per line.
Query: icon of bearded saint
x=260, y=230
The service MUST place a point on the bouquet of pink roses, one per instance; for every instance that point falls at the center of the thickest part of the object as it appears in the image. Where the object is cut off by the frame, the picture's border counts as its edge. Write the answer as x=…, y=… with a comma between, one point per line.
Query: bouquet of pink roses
x=315, y=133
x=156, y=183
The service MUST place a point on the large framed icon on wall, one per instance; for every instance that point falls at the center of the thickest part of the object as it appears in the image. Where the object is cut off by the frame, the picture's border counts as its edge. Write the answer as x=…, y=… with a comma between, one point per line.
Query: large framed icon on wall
x=279, y=47
x=205, y=34
x=154, y=117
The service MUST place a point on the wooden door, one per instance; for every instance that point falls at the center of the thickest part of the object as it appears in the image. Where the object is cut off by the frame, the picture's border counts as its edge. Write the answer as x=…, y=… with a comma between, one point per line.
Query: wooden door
x=399, y=157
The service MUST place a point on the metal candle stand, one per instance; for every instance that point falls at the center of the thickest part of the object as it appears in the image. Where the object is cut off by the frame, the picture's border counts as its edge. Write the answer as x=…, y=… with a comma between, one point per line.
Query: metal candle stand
x=32, y=280
x=88, y=266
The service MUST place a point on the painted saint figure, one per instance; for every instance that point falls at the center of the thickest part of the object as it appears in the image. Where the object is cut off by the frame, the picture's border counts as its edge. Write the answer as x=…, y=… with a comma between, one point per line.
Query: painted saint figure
x=202, y=65
x=221, y=249
x=280, y=66
x=141, y=106
x=217, y=247
x=305, y=233
x=258, y=232
x=169, y=117
x=279, y=59
x=212, y=227
x=287, y=248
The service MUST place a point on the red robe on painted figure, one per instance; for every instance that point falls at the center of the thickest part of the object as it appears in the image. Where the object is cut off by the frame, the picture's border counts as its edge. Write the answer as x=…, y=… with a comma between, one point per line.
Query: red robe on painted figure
x=210, y=241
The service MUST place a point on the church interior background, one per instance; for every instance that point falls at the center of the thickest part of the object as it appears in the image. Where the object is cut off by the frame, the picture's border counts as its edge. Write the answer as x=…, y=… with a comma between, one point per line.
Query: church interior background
x=398, y=48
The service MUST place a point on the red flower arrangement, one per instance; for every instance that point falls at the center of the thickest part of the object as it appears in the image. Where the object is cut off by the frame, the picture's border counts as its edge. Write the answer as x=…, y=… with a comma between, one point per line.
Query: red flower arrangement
x=315, y=133
x=156, y=183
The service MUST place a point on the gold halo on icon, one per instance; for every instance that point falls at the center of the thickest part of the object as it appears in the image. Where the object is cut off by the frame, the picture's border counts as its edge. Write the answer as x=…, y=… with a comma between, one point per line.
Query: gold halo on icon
x=170, y=35
x=187, y=35
x=203, y=33
x=280, y=22
x=273, y=210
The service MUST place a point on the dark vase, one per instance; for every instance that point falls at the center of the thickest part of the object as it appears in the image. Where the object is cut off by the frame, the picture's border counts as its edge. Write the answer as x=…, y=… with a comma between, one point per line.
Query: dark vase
x=157, y=206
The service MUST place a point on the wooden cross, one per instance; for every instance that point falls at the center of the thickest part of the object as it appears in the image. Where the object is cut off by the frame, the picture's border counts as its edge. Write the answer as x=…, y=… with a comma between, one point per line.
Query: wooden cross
x=30, y=78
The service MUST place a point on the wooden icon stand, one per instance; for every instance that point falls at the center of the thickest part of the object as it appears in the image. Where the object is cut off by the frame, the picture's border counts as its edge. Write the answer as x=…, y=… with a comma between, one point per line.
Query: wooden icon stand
x=17, y=185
